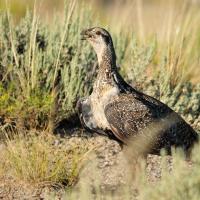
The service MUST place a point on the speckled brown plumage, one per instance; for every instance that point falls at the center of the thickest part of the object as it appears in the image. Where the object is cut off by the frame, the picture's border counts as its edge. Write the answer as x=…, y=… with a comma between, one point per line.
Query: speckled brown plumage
x=116, y=109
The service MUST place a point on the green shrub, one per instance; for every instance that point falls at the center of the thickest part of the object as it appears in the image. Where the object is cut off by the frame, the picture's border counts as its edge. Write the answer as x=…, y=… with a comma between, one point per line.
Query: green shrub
x=43, y=67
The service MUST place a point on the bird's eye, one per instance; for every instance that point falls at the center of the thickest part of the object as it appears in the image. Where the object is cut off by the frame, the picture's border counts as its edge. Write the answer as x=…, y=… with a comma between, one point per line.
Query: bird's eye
x=98, y=33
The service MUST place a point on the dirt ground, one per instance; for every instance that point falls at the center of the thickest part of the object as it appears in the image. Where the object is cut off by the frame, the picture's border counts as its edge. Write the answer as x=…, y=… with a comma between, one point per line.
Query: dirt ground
x=107, y=170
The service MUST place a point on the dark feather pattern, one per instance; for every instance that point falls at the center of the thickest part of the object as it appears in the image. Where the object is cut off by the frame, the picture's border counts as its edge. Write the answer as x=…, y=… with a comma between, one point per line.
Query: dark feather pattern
x=130, y=117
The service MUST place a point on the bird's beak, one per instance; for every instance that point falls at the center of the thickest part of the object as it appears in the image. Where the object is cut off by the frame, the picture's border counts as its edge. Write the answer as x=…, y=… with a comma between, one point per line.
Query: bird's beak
x=85, y=34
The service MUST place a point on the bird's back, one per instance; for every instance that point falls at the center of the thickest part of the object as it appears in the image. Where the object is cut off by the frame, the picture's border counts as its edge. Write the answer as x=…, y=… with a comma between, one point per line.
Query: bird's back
x=134, y=113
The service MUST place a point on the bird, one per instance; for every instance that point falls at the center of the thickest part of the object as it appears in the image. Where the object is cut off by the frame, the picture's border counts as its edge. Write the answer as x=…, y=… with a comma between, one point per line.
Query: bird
x=121, y=112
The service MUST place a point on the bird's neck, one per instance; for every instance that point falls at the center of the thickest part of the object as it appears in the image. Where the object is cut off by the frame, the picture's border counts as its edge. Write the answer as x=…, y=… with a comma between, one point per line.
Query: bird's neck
x=107, y=62
x=107, y=68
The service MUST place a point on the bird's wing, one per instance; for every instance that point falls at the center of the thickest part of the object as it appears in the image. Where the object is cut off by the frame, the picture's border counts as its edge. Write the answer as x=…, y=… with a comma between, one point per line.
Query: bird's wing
x=128, y=116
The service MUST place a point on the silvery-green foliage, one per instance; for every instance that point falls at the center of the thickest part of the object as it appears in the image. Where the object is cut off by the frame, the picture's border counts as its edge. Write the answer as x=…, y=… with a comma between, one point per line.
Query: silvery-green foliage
x=45, y=68
x=38, y=58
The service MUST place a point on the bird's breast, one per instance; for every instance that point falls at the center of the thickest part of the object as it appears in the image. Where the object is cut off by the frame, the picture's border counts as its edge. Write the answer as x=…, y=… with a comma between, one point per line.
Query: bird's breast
x=99, y=99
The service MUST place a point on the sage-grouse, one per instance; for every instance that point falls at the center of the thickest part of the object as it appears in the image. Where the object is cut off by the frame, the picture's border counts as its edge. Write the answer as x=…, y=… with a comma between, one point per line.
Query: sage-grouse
x=116, y=109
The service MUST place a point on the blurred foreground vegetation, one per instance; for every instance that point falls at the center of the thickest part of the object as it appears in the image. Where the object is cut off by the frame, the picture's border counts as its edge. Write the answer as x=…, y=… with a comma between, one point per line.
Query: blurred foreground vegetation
x=45, y=68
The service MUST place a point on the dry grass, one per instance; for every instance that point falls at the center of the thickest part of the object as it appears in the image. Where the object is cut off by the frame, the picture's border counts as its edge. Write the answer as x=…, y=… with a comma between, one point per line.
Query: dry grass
x=174, y=25
x=41, y=159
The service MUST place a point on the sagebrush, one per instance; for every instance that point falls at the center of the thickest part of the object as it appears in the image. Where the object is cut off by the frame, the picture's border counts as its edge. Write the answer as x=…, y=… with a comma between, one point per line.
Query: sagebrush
x=45, y=68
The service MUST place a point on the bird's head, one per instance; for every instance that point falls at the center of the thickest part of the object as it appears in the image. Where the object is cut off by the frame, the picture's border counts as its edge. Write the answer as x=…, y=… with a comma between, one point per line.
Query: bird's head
x=100, y=40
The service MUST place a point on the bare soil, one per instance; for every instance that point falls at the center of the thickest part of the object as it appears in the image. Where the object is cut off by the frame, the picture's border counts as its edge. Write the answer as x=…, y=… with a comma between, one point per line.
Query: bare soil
x=107, y=170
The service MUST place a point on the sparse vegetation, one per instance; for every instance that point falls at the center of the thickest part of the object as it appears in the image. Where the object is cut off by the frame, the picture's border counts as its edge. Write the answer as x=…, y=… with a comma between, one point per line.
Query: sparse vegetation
x=181, y=183
x=42, y=159
x=45, y=68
